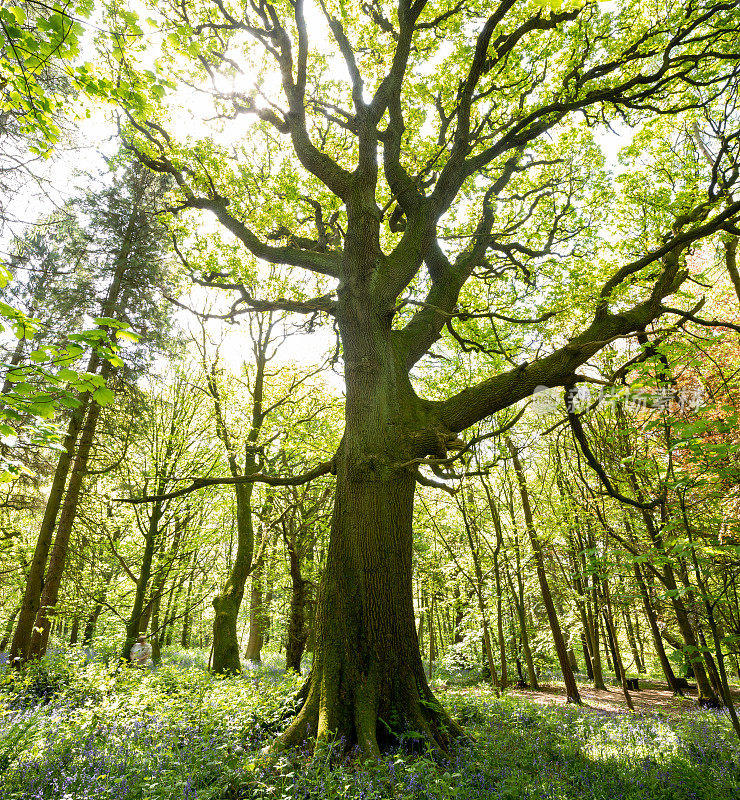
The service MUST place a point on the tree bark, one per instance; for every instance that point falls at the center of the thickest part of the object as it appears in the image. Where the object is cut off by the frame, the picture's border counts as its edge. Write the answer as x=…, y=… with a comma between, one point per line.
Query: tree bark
x=571, y=687
x=518, y=599
x=367, y=683
x=227, y=604
x=67, y=516
x=32, y=602
x=134, y=624
x=585, y=648
x=297, y=629
x=612, y=631
x=652, y=619
x=477, y=584
x=8, y=629
x=632, y=641
x=75, y=631
x=256, y=613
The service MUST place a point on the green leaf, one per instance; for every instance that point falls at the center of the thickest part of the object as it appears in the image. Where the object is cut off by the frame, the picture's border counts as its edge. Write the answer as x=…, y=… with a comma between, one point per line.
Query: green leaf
x=110, y=322
x=66, y=374
x=23, y=389
x=103, y=396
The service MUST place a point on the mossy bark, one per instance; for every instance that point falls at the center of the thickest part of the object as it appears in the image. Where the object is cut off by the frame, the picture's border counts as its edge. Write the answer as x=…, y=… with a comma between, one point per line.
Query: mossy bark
x=367, y=685
x=256, y=619
x=297, y=627
x=227, y=604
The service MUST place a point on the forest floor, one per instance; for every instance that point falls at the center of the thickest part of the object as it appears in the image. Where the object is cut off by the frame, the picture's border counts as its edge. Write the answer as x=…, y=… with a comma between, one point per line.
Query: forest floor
x=653, y=696
x=78, y=726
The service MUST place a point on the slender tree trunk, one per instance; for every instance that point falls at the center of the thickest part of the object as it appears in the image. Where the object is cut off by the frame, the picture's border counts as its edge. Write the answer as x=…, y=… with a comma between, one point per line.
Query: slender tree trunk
x=422, y=618
x=612, y=631
x=611, y=643
x=632, y=641
x=107, y=577
x=135, y=625
x=467, y=510
x=58, y=558
x=91, y=622
x=432, y=646
x=652, y=619
x=173, y=598
x=458, y=617
x=499, y=587
x=75, y=632
x=155, y=634
x=707, y=696
x=227, y=604
x=522, y=617
x=187, y=616
x=571, y=687
x=586, y=654
x=590, y=633
x=593, y=611
x=8, y=629
x=256, y=638
x=297, y=629
x=13, y=361
x=35, y=581
x=709, y=608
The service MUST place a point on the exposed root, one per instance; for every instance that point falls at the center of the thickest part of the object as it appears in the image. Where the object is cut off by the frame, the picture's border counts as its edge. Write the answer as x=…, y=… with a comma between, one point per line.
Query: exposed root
x=372, y=719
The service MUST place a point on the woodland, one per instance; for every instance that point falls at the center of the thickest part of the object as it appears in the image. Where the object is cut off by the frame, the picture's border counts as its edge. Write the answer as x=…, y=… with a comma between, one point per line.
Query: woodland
x=380, y=364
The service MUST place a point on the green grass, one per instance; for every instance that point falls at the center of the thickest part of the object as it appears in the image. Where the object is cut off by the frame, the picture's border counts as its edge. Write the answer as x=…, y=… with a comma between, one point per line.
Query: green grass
x=73, y=730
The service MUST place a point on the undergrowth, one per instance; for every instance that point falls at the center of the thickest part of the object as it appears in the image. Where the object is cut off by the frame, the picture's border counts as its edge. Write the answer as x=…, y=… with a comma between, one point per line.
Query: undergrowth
x=74, y=728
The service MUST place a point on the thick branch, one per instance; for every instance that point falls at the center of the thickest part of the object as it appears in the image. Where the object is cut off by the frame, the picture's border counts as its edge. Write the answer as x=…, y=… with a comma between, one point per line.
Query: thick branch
x=324, y=468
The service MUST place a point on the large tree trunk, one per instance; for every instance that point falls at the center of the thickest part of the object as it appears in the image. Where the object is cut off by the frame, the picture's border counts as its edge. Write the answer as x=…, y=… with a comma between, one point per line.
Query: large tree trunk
x=367, y=683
